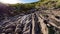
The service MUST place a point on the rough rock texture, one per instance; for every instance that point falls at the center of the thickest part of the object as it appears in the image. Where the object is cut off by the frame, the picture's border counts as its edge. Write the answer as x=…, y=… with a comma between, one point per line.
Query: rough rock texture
x=39, y=22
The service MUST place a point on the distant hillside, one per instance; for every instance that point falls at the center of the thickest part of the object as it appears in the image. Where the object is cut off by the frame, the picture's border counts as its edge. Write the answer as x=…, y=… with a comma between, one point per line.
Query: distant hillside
x=14, y=9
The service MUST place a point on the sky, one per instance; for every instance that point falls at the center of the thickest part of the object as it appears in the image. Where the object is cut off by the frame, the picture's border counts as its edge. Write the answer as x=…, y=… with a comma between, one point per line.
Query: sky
x=17, y=1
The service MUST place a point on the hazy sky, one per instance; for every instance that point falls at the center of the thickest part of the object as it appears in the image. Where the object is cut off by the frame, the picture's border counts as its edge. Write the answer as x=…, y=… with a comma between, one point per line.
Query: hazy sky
x=17, y=1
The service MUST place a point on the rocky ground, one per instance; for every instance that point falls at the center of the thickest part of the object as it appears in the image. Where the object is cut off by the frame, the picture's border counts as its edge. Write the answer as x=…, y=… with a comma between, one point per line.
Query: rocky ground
x=39, y=22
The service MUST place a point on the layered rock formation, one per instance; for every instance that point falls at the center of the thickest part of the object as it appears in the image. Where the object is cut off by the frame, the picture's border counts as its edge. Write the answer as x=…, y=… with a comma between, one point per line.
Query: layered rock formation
x=39, y=22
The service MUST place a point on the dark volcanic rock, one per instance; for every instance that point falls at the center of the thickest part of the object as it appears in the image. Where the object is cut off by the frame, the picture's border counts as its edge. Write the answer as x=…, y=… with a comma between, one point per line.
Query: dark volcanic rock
x=35, y=23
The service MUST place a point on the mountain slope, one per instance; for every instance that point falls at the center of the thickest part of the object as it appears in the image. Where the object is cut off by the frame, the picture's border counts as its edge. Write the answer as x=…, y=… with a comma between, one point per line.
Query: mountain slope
x=30, y=18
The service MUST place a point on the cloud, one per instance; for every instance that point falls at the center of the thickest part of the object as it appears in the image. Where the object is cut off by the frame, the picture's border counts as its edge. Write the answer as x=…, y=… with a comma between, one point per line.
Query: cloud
x=11, y=1
x=17, y=1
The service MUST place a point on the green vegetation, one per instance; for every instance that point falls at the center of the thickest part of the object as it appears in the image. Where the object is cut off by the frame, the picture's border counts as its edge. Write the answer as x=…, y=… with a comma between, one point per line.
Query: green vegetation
x=21, y=8
x=49, y=4
x=41, y=4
